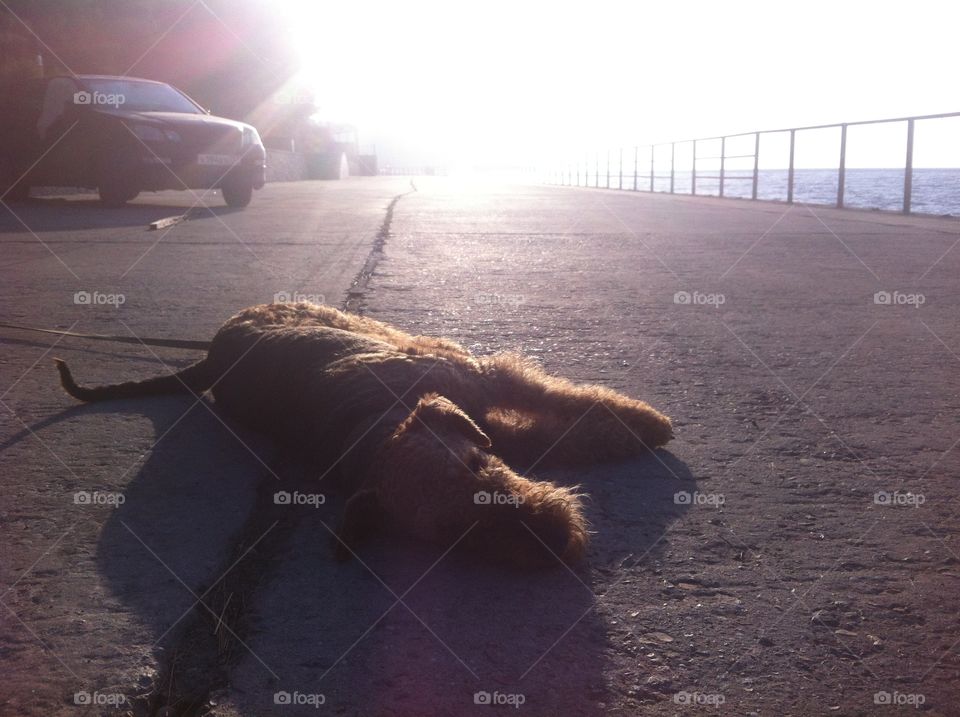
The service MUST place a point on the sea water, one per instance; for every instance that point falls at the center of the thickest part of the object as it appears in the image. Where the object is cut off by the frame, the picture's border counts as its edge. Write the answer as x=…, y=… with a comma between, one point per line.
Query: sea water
x=935, y=191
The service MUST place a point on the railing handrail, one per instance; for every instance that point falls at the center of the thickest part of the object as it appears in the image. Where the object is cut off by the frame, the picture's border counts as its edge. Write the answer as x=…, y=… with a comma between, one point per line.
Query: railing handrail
x=942, y=115
x=566, y=176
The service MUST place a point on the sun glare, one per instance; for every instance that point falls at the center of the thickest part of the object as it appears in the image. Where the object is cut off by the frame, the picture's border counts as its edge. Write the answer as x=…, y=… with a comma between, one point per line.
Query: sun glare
x=500, y=82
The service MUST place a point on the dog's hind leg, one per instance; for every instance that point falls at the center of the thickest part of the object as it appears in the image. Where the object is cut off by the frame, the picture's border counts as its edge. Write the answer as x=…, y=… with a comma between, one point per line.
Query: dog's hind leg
x=554, y=419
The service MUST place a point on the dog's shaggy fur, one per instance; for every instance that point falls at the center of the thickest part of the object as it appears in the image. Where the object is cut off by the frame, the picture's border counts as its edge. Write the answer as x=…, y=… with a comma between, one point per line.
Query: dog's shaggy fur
x=420, y=427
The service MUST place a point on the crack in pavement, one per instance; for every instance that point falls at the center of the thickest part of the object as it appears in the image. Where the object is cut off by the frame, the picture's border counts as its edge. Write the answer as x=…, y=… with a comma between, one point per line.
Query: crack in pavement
x=198, y=659
x=358, y=288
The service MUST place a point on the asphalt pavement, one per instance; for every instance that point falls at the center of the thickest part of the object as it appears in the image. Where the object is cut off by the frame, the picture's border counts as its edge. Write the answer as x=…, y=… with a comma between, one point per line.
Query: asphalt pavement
x=793, y=551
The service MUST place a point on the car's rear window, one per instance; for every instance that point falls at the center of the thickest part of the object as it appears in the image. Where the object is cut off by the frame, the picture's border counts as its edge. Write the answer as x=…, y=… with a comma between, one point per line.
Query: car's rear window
x=141, y=96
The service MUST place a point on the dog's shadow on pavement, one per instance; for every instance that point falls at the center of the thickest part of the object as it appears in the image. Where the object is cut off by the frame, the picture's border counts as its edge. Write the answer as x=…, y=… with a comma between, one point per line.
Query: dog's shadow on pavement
x=181, y=512
x=177, y=508
x=178, y=503
x=632, y=505
x=405, y=628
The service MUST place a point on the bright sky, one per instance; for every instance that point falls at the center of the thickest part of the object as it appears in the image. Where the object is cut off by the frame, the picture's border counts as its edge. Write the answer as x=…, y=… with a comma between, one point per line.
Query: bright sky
x=507, y=81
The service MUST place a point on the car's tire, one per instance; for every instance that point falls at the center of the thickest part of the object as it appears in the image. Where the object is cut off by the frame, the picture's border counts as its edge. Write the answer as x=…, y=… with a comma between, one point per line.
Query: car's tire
x=237, y=190
x=116, y=182
x=112, y=196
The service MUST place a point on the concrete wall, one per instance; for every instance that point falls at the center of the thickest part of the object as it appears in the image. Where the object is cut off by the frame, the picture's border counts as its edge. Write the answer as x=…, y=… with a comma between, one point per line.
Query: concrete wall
x=285, y=166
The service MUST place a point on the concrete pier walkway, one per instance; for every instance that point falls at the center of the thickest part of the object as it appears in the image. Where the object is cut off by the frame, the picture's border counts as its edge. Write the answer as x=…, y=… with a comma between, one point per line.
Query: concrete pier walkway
x=793, y=551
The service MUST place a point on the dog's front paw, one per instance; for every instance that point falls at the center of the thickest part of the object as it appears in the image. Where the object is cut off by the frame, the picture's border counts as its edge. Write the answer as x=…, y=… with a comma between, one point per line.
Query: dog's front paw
x=658, y=429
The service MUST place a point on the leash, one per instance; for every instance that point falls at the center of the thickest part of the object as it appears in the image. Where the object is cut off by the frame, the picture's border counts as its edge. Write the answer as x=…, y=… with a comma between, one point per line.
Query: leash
x=168, y=343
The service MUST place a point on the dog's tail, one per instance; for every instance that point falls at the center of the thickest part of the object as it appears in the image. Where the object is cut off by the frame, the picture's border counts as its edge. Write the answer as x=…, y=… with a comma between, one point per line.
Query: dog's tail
x=193, y=379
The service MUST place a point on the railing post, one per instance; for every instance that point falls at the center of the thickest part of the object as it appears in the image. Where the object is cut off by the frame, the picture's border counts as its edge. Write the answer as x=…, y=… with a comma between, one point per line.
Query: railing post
x=596, y=175
x=621, y=168
x=578, y=172
x=673, y=156
x=908, y=170
x=842, y=170
x=652, y=148
x=756, y=165
x=793, y=137
x=723, y=161
x=636, y=166
x=608, y=169
x=693, y=174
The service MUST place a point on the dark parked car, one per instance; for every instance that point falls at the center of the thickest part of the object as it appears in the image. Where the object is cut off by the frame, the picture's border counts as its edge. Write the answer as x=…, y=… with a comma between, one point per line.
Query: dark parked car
x=122, y=136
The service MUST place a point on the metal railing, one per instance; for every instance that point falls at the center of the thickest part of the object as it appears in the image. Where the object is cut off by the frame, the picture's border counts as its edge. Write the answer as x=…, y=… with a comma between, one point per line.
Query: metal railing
x=578, y=173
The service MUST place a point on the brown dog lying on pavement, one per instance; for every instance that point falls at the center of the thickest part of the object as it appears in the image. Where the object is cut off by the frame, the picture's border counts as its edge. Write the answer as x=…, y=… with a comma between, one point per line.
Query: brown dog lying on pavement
x=414, y=422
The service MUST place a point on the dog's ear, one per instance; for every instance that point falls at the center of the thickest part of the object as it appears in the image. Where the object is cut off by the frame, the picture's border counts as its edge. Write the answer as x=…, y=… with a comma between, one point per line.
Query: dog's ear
x=441, y=414
x=361, y=518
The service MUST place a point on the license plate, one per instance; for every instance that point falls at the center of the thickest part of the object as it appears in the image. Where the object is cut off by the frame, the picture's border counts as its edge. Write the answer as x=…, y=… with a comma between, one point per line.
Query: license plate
x=216, y=160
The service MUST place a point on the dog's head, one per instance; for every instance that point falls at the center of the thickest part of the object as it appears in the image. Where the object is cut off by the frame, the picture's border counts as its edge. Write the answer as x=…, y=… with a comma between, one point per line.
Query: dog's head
x=434, y=478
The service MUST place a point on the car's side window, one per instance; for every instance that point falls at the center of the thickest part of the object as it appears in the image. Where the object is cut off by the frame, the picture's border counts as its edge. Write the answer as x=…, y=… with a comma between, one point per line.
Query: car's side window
x=59, y=96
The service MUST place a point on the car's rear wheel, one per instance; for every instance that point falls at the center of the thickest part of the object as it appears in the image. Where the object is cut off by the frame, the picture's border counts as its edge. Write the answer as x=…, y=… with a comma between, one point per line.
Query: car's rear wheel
x=116, y=183
x=113, y=196
x=237, y=190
